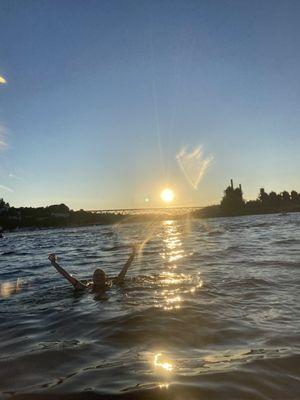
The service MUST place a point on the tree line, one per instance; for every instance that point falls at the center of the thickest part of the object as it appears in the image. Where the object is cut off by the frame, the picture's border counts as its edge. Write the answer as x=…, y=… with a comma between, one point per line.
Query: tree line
x=57, y=215
x=233, y=203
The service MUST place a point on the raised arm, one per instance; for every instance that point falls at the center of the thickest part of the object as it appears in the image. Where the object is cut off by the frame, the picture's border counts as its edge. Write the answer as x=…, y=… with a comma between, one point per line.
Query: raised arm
x=120, y=278
x=75, y=282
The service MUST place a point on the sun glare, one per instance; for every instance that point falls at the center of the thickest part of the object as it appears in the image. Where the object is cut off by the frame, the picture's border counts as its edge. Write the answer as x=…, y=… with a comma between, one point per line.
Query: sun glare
x=167, y=195
x=164, y=365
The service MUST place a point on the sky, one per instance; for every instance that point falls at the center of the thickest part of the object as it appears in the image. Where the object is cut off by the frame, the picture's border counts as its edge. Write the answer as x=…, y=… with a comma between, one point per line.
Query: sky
x=106, y=103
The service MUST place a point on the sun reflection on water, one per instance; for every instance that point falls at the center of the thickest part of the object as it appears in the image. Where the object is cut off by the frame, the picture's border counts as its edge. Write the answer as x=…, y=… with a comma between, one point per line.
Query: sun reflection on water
x=173, y=283
x=166, y=365
x=163, y=386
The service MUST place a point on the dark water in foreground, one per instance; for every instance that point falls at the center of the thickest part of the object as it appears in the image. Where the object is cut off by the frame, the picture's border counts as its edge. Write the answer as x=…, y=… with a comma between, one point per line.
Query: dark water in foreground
x=210, y=310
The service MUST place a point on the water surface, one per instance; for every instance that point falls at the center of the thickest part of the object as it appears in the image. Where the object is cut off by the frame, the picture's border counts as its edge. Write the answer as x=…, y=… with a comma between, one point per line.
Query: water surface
x=209, y=309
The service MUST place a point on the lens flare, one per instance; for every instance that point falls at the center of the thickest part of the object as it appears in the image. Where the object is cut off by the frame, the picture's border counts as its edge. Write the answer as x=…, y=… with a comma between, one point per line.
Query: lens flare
x=193, y=165
x=2, y=80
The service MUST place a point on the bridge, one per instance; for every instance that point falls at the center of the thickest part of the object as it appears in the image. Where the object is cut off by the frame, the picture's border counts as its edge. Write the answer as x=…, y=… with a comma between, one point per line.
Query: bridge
x=154, y=210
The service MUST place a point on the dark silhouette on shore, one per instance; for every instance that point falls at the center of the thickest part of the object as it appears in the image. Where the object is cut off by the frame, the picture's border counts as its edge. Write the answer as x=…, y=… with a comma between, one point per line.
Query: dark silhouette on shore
x=232, y=204
x=233, y=199
x=53, y=216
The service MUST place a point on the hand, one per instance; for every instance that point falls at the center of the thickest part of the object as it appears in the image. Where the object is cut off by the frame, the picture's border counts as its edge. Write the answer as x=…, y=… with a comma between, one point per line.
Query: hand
x=52, y=257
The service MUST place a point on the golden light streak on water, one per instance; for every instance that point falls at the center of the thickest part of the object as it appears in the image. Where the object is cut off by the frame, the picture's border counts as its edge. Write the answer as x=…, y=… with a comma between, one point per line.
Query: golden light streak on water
x=176, y=256
x=167, y=366
x=163, y=386
x=173, y=244
x=170, y=278
x=174, y=285
x=170, y=298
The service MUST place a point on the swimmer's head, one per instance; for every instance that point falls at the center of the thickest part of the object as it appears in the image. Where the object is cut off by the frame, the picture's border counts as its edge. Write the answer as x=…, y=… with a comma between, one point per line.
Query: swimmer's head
x=99, y=277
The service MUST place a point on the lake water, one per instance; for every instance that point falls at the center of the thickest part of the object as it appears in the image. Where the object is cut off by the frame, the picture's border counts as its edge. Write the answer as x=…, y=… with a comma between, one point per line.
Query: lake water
x=209, y=310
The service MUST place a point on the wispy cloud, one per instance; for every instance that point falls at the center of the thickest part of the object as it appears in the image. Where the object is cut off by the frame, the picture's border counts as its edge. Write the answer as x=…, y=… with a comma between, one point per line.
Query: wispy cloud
x=2, y=138
x=193, y=164
x=18, y=178
x=5, y=188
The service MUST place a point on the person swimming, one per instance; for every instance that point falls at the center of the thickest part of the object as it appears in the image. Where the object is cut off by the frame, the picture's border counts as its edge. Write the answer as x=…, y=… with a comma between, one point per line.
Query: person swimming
x=100, y=280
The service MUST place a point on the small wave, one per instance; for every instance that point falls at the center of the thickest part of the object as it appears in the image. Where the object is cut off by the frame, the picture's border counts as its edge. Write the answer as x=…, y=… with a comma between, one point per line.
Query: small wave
x=287, y=242
x=233, y=336
x=215, y=376
x=8, y=253
x=250, y=282
x=215, y=233
x=263, y=224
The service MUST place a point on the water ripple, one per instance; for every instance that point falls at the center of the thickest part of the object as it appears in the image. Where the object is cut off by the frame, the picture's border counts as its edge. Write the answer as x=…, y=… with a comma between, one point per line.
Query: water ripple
x=209, y=309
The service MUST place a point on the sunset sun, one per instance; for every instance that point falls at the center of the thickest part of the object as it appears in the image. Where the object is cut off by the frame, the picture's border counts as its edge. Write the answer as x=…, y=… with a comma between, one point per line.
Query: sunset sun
x=167, y=195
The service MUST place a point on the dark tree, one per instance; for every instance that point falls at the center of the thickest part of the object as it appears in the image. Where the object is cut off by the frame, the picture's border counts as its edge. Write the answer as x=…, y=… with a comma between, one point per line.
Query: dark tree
x=59, y=208
x=285, y=196
x=263, y=197
x=294, y=196
x=3, y=204
x=233, y=199
x=274, y=199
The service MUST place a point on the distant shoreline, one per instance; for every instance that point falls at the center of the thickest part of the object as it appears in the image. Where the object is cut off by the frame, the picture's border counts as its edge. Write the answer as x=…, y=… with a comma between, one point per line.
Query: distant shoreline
x=231, y=205
x=216, y=212
x=130, y=219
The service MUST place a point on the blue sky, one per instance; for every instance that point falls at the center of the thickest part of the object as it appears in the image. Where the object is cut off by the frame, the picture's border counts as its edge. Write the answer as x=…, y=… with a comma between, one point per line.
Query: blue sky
x=102, y=95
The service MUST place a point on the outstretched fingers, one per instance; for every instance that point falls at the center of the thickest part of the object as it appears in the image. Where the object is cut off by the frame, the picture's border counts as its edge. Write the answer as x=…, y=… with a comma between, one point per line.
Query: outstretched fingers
x=52, y=257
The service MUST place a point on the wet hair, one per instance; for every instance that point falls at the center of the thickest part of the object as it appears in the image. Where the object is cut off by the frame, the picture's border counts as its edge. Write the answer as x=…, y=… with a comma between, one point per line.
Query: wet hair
x=99, y=277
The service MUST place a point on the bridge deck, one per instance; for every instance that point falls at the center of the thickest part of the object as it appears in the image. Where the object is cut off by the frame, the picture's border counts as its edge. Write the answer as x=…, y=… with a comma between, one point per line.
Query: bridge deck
x=157, y=210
